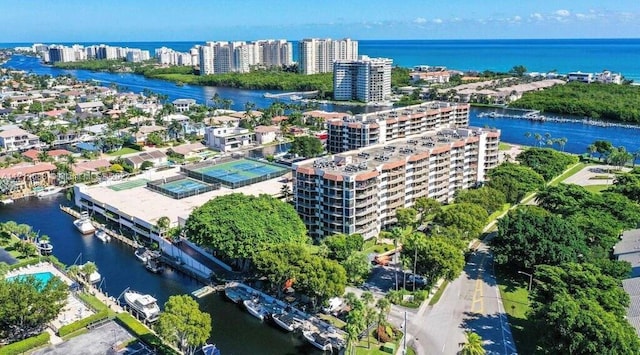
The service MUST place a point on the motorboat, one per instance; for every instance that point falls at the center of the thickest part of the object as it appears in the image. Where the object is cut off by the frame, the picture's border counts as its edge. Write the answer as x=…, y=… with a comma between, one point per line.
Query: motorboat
x=154, y=266
x=48, y=191
x=83, y=224
x=145, y=305
x=143, y=254
x=210, y=349
x=6, y=201
x=255, y=308
x=102, y=235
x=44, y=247
x=236, y=292
x=286, y=321
x=316, y=339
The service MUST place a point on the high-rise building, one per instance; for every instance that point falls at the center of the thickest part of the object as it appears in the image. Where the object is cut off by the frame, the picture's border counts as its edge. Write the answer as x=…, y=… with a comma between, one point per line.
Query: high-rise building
x=205, y=54
x=360, y=191
x=366, y=79
x=317, y=55
x=274, y=53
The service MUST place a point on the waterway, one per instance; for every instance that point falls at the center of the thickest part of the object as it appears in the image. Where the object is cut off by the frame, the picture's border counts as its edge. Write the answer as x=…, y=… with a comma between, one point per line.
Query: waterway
x=234, y=330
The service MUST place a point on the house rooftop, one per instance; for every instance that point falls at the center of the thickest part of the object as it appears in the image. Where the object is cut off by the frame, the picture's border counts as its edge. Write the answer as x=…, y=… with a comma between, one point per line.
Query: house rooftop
x=26, y=169
x=632, y=287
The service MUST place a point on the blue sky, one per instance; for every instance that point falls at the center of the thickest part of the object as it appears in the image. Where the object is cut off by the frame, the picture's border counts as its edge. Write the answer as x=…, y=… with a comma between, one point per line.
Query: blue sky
x=191, y=20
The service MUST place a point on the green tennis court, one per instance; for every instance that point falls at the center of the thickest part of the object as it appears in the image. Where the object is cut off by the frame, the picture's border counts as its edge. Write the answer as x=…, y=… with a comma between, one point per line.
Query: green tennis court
x=236, y=173
x=132, y=184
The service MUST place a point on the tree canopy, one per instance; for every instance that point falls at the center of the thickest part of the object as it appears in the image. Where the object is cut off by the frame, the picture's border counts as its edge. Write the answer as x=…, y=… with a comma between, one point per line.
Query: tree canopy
x=530, y=236
x=342, y=245
x=489, y=198
x=183, y=324
x=514, y=181
x=27, y=305
x=311, y=274
x=582, y=310
x=546, y=161
x=306, y=146
x=238, y=225
x=468, y=218
x=436, y=256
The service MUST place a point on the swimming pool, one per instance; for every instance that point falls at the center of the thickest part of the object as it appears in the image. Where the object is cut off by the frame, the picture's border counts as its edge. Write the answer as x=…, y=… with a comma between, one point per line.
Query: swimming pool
x=43, y=277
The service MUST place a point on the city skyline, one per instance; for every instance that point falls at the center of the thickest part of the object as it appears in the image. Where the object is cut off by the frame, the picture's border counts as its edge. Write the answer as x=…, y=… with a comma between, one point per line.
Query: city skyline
x=38, y=21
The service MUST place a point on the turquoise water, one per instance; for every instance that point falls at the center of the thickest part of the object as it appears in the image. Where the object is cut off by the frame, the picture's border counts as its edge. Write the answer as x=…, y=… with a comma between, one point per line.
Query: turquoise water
x=42, y=277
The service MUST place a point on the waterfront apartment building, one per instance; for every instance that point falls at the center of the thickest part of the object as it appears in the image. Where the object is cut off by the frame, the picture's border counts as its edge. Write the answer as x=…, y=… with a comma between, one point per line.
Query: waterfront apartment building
x=317, y=55
x=360, y=191
x=366, y=79
x=205, y=55
x=225, y=57
x=363, y=130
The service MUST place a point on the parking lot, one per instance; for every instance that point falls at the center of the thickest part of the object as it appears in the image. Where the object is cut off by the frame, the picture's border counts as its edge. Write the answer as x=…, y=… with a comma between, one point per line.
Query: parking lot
x=383, y=279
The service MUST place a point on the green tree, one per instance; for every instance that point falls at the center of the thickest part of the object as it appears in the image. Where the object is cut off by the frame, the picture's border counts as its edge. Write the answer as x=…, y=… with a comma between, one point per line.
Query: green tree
x=163, y=224
x=546, y=161
x=514, y=181
x=341, y=246
x=27, y=305
x=426, y=207
x=473, y=345
x=357, y=267
x=436, y=257
x=154, y=138
x=406, y=217
x=466, y=217
x=238, y=225
x=183, y=324
x=529, y=236
x=306, y=146
x=489, y=198
x=518, y=70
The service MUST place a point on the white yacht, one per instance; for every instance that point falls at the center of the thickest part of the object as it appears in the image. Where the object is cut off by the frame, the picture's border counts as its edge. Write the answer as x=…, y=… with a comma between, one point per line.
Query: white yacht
x=49, y=191
x=102, y=235
x=83, y=224
x=255, y=309
x=145, y=305
x=318, y=340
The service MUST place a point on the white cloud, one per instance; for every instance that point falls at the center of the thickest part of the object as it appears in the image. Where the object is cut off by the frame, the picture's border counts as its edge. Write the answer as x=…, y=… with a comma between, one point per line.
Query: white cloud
x=420, y=20
x=517, y=18
x=562, y=13
x=536, y=16
x=437, y=21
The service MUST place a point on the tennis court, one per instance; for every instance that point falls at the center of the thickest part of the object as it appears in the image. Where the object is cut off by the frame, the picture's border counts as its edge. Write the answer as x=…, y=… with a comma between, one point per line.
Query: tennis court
x=179, y=187
x=127, y=185
x=235, y=173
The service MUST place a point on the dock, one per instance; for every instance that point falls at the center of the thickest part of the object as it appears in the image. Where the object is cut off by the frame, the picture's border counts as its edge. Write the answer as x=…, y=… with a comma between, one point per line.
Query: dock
x=121, y=238
x=201, y=292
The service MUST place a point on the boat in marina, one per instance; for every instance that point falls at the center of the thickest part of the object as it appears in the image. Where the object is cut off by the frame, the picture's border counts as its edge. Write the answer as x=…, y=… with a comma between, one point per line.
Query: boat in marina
x=145, y=305
x=102, y=235
x=154, y=265
x=210, y=349
x=318, y=340
x=286, y=321
x=236, y=292
x=48, y=191
x=83, y=224
x=44, y=247
x=255, y=308
x=6, y=201
x=143, y=254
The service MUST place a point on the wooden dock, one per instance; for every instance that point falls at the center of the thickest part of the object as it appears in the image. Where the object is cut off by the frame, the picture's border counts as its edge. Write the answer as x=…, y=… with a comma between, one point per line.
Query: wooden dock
x=119, y=237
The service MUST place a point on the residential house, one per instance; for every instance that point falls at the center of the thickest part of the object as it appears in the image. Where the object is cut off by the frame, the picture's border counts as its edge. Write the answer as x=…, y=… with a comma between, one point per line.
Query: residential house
x=187, y=151
x=17, y=101
x=628, y=249
x=90, y=107
x=266, y=134
x=16, y=139
x=55, y=154
x=243, y=114
x=227, y=121
x=580, y=76
x=226, y=139
x=183, y=105
x=25, y=177
x=156, y=157
x=143, y=133
x=90, y=166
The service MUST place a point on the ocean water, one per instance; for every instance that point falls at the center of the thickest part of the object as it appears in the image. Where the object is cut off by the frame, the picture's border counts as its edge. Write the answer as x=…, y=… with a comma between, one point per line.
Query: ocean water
x=538, y=55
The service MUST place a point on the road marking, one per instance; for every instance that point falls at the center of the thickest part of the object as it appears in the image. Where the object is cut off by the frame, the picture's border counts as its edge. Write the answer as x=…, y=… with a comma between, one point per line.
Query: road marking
x=478, y=293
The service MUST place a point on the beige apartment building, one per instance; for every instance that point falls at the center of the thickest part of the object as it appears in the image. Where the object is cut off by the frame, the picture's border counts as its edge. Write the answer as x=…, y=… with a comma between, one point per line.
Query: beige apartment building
x=359, y=191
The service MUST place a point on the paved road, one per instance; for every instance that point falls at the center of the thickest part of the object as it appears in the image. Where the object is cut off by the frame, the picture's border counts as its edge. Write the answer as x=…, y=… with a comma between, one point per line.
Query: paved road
x=471, y=302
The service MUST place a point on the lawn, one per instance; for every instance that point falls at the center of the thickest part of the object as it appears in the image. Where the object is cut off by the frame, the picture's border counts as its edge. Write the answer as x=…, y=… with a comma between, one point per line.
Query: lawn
x=571, y=171
x=438, y=294
x=376, y=347
x=496, y=214
x=123, y=151
x=378, y=248
x=515, y=298
x=504, y=146
x=596, y=188
x=332, y=320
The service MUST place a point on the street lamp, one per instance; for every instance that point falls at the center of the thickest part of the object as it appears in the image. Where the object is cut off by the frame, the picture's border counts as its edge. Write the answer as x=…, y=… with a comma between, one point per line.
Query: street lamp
x=530, y=277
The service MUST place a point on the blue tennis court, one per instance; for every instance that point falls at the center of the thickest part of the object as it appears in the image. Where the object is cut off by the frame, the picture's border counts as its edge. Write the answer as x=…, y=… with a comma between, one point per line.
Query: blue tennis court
x=236, y=173
x=182, y=186
x=179, y=187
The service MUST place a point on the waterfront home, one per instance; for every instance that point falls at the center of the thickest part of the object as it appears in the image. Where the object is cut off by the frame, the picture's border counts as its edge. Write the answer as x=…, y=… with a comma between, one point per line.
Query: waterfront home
x=55, y=154
x=16, y=139
x=226, y=139
x=143, y=133
x=90, y=166
x=188, y=151
x=22, y=100
x=183, y=105
x=266, y=134
x=224, y=120
x=243, y=114
x=25, y=177
x=156, y=157
x=90, y=107
x=175, y=117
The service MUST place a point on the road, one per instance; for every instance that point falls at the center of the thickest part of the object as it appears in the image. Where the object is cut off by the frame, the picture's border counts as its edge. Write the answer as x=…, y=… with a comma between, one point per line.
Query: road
x=471, y=302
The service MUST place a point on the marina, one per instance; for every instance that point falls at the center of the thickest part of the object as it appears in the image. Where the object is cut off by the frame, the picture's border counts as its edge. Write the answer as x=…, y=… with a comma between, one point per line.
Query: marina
x=536, y=116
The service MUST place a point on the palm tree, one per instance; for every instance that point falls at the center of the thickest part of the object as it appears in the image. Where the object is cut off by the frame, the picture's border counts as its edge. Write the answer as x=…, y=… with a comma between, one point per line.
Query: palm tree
x=367, y=299
x=384, y=307
x=473, y=345
x=163, y=224
x=43, y=157
x=538, y=138
x=73, y=271
x=88, y=268
x=285, y=191
x=562, y=142
x=591, y=149
x=175, y=129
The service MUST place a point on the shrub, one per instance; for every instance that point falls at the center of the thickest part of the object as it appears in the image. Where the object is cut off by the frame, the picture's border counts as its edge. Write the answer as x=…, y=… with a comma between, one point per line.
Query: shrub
x=389, y=348
x=382, y=335
x=82, y=323
x=25, y=345
x=144, y=334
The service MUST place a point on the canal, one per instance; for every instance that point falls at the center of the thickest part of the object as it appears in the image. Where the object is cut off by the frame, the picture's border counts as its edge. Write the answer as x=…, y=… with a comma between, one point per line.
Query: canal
x=234, y=330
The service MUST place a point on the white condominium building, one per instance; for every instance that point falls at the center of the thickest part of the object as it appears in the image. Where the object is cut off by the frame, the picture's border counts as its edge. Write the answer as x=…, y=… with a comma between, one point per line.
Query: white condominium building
x=366, y=79
x=317, y=55
x=205, y=54
x=360, y=191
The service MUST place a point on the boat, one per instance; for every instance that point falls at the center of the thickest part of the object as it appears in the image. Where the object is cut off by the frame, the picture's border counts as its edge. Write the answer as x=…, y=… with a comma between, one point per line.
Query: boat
x=255, y=308
x=102, y=235
x=48, y=191
x=317, y=340
x=210, y=349
x=286, y=321
x=154, y=266
x=83, y=224
x=6, y=201
x=142, y=254
x=144, y=305
x=236, y=292
x=44, y=247
x=295, y=97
